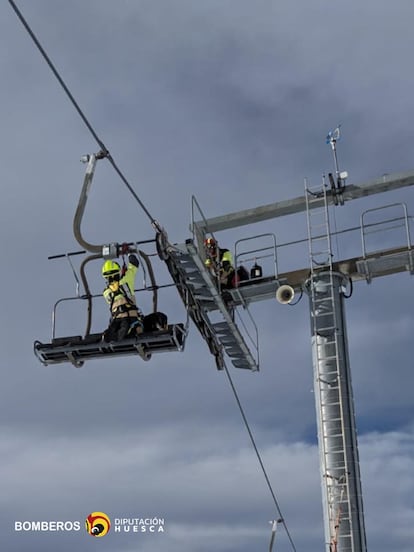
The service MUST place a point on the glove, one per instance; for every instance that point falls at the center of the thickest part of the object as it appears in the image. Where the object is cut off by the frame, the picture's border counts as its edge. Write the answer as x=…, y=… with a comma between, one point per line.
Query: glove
x=133, y=259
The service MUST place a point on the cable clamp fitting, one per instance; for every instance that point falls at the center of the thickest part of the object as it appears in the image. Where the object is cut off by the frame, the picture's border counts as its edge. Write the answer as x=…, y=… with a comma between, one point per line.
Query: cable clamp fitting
x=110, y=251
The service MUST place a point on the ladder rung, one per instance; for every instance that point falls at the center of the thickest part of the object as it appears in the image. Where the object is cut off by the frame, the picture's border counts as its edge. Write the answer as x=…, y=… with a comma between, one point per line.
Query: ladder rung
x=335, y=403
x=320, y=264
x=322, y=300
x=317, y=265
x=241, y=364
x=314, y=196
x=227, y=340
x=234, y=352
x=323, y=252
x=221, y=327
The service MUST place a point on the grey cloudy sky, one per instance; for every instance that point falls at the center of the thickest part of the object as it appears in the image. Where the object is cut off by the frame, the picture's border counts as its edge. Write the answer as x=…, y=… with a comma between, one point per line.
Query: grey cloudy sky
x=230, y=101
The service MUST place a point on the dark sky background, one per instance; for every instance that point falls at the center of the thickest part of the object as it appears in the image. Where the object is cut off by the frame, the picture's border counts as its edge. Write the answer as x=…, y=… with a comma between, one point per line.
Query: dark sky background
x=229, y=101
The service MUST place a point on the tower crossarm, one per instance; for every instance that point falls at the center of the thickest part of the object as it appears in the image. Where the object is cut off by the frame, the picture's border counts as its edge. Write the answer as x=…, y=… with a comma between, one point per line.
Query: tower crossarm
x=385, y=183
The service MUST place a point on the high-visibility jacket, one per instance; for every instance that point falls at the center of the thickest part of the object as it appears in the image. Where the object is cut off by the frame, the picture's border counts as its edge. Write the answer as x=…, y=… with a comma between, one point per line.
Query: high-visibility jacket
x=225, y=256
x=225, y=268
x=121, y=295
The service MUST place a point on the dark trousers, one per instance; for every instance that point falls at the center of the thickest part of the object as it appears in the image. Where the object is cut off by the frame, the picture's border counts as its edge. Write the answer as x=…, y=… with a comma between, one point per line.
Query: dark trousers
x=118, y=329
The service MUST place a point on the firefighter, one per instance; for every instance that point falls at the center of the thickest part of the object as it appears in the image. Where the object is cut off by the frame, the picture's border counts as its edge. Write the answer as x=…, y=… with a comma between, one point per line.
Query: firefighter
x=220, y=262
x=126, y=319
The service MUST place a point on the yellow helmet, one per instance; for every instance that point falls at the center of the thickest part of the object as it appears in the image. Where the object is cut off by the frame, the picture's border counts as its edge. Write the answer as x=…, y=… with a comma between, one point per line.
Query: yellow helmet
x=110, y=268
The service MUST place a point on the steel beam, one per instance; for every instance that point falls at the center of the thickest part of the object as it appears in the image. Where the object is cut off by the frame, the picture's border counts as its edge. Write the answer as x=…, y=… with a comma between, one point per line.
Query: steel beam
x=383, y=184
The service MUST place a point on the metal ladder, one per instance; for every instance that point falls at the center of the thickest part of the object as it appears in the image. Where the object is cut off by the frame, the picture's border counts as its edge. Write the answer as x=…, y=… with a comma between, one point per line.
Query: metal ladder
x=334, y=469
x=200, y=291
x=319, y=233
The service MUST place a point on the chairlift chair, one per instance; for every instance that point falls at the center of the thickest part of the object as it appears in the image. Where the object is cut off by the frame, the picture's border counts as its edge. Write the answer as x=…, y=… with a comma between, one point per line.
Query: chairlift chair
x=77, y=349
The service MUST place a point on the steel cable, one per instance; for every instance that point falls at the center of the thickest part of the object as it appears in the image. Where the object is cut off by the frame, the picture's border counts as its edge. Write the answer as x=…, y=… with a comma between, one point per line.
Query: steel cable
x=154, y=223
x=249, y=431
x=75, y=104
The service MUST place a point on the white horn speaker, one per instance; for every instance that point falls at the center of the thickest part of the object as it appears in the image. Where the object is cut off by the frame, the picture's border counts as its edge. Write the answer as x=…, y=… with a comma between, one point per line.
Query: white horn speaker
x=285, y=294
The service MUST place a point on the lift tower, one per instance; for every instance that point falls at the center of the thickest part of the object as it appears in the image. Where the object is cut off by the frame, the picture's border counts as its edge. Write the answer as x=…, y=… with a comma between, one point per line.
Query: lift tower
x=325, y=282
x=338, y=450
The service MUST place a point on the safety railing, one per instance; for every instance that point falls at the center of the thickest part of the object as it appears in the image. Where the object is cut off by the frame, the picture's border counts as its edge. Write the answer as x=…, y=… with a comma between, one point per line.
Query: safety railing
x=252, y=339
x=58, y=302
x=247, y=250
x=400, y=254
x=77, y=297
x=255, y=254
x=385, y=224
x=194, y=228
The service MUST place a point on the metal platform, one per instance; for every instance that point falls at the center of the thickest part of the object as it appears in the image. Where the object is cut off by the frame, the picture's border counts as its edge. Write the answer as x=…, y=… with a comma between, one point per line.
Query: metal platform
x=383, y=263
x=77, y=349
x=373, y=265
x=201, y=297
x=258, y=289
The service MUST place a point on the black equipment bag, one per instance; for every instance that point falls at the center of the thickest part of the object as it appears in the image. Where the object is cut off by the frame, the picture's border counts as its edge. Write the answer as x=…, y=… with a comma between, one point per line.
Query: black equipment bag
x=242, y=274
x=155, y=321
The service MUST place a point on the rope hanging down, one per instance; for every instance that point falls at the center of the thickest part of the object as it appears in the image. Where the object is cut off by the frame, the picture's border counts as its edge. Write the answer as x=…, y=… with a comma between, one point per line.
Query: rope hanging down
x=104, y=150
